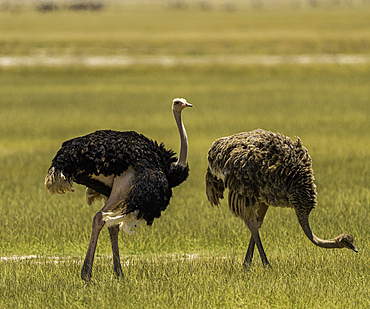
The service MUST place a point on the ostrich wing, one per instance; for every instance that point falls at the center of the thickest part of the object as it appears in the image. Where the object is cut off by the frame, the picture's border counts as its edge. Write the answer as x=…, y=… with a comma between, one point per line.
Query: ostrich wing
x=214, y=188
x=150, y=194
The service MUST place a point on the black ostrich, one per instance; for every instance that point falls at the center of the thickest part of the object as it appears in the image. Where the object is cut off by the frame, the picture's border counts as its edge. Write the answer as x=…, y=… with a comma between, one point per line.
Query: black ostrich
x=263, y=169
x=132, y=173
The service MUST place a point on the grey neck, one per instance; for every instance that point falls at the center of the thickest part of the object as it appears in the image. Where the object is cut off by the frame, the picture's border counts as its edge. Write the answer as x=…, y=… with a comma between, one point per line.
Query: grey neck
x=324, y=243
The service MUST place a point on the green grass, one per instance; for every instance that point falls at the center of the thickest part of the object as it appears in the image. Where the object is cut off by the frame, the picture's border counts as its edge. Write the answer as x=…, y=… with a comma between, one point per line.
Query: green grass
x=132, y=28
x=176, y=283
x=192, y=256
x=327, y=107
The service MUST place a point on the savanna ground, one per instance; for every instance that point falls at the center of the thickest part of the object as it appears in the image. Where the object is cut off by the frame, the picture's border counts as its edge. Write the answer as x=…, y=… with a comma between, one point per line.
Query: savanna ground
x=192, y=256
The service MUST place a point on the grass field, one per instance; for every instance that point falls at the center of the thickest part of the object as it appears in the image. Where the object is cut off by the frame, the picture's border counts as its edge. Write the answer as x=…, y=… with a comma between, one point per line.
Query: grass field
x=192, y=256
x=152, y=28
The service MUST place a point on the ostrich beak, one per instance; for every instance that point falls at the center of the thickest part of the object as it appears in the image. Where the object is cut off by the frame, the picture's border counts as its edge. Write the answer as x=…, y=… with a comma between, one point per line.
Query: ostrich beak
x=354, y=248
x=188, y=104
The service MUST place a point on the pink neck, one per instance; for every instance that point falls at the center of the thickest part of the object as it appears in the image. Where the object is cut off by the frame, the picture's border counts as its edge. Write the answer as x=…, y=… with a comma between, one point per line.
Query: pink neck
x=183, y=137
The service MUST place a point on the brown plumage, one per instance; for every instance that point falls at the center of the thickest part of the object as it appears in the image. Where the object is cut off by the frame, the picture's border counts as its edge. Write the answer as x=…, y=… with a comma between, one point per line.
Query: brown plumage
x=263, y=169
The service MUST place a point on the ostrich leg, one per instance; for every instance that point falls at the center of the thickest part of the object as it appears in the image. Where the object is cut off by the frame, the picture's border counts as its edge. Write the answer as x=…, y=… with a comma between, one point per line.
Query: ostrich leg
x=249, y=255
x=113, y=233
x=97, y=225
x=254, y=225
x=121, y=184
x=262, y=253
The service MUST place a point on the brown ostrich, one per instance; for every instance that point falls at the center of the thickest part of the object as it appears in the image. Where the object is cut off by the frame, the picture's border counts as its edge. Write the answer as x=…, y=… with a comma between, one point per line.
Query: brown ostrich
x=132, y=173
x=263, y=169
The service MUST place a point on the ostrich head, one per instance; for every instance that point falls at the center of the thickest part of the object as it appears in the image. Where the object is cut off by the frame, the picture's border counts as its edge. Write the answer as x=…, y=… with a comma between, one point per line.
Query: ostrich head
x=346, y=241
x=179, y=104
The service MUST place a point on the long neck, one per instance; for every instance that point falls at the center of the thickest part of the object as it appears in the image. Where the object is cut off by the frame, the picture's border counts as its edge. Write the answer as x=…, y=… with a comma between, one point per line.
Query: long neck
x=183, y=137
x=330, y=243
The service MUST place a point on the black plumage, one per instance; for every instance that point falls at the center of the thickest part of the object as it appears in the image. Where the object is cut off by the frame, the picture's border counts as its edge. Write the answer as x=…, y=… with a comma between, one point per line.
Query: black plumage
x=134, y=174
x=111, y=153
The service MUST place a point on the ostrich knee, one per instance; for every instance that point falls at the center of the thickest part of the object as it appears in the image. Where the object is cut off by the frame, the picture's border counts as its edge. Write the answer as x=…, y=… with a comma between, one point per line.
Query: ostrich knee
x=98, y=222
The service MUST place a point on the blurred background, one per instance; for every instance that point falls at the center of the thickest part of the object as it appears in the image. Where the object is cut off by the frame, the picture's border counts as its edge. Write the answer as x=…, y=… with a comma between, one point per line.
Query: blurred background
x=181, y=28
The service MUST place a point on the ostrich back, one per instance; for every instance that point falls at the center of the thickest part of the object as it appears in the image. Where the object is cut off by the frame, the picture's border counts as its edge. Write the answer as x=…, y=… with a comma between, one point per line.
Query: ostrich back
x=111, y=153
x=261, y=166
